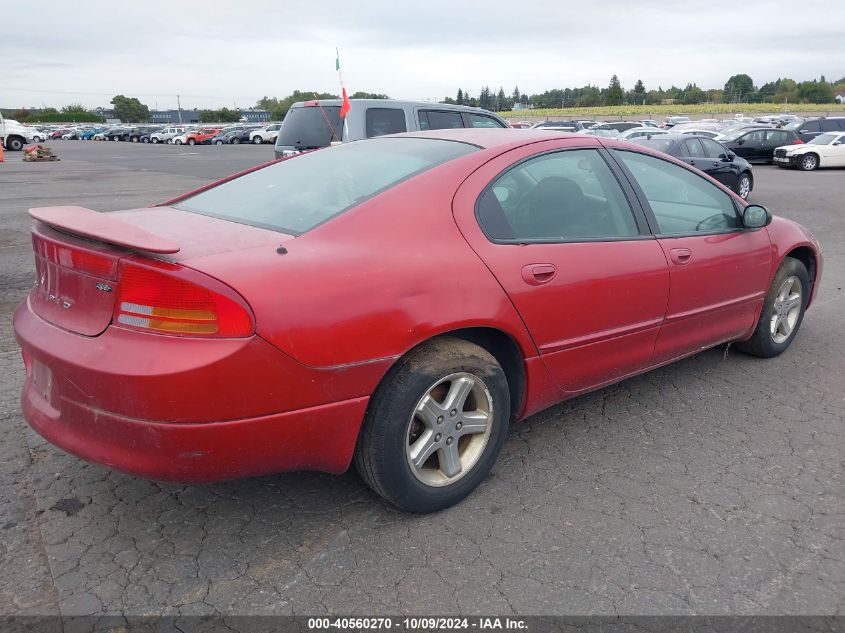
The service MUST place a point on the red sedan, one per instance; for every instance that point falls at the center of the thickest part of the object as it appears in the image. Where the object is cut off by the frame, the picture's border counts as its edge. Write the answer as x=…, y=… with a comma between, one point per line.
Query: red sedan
x=395, y=301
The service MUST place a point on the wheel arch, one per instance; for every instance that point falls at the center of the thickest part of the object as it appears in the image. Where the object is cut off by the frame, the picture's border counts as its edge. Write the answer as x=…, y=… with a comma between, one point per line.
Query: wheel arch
x=503, y=347
x=806, y=256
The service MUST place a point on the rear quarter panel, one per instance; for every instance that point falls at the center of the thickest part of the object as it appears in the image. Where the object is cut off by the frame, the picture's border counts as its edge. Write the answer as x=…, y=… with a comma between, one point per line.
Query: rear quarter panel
x=374, y=282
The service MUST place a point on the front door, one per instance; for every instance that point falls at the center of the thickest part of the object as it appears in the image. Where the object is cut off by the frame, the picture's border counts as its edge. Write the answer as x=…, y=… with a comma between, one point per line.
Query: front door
x=559, y=232
x=719, y=271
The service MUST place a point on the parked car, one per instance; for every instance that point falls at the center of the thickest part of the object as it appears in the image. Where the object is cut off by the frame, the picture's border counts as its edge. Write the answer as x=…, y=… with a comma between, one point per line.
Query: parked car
x=757, y=145
x=619, y=126
x=136, y=134
x=520, y=125
x=648, y=123
x=698, y=132
x=602, y=132
x=825, y=150
x=675, y=120
x=367, y=355
x=811, y=128
x=236, y=137
x=167, y=134
x=317, y=124
x=201, y=136
x=636, y=132
x=266, y=134
x=569, y=126
x=88, y=134
x=182, y=138
x=57, y=134
x=709, y=156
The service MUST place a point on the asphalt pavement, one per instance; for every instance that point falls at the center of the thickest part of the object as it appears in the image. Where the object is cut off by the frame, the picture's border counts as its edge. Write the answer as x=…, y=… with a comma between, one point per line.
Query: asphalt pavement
x=711, y=486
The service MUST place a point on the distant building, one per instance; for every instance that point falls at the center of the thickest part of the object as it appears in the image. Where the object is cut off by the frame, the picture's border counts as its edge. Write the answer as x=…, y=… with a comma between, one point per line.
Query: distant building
x=167, y=117
x=255, y=116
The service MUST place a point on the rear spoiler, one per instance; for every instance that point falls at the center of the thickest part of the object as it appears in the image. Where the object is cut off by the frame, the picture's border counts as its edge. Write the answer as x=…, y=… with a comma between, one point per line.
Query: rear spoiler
x=103, y=227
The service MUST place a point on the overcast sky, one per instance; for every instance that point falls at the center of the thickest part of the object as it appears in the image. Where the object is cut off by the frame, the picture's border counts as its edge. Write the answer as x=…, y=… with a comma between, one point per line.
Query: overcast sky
x=216, y=53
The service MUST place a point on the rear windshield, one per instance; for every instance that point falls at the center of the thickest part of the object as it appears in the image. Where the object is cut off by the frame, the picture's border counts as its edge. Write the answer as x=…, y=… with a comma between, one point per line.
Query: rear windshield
x=311, y=127
x=296, y=195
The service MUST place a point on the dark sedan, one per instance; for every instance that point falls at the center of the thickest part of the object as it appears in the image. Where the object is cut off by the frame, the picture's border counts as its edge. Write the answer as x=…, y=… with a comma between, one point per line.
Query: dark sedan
x=707, y=155
x=757, y=145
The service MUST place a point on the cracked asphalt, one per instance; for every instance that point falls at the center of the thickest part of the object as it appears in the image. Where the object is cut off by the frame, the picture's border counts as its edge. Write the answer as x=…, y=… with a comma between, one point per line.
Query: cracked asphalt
x=711, y=486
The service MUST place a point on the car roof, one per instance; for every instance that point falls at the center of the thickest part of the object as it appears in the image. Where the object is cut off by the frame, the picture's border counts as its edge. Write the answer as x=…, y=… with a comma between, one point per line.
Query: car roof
x=489, y=138
x=394, y=103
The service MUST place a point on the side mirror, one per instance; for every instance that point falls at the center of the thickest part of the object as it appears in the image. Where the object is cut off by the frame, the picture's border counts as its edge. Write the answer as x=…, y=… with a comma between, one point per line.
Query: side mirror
x=803, y=131
x=755, y=216
x=836, y=143
x=740, y=141
x=728, y=156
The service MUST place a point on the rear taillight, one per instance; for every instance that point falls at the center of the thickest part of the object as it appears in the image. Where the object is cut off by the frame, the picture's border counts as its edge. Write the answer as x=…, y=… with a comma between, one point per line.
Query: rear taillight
x=156, y=296
x=83, y=261
x=798, y=141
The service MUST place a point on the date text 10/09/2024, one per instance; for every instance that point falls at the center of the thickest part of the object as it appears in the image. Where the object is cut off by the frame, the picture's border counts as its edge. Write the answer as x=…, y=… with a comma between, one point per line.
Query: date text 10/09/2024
x=421, y=623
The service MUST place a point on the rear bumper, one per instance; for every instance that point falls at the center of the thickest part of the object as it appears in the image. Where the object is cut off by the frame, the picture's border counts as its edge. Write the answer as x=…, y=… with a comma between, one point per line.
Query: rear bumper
x=183, y=409
x=320, y=438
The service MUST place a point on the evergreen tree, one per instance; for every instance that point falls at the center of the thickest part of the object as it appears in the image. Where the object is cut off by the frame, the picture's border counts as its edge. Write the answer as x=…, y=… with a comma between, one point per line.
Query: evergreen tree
x=460, y=99
x=614, y=94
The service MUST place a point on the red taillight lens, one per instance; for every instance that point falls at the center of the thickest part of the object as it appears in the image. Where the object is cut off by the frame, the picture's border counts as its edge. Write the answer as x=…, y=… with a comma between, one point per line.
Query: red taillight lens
x=798, y=141
x=167, y=298
x=88, y=262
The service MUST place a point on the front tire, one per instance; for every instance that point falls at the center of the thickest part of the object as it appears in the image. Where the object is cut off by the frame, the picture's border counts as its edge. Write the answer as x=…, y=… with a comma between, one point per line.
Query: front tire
x=191, y=141
x=435, y=426
x=808, y=162
x=14, y=143
x=257, y=140
x=744, y=185
x=236, y=141
x=178, y=142
x=782, y=313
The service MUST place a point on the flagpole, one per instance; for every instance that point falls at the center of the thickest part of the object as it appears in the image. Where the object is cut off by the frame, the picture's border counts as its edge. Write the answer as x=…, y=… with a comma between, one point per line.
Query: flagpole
x=344, y=109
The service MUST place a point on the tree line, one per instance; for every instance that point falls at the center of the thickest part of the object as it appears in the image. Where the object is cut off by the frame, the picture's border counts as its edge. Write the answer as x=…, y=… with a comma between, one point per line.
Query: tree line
x=737, y=89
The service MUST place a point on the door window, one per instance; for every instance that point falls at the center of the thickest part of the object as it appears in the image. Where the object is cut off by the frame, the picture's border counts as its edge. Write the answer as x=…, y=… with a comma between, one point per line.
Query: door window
x=440, y=120
x=755, y=138
x=563, y=196
x=692, y=148
x=683, y=203
x=776, y=137
x=381, y=121
x=480, y=120
x=810, y=127
x=712, y=149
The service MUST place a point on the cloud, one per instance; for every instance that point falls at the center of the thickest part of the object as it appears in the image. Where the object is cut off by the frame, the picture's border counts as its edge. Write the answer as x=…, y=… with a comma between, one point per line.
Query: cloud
x=217, y=53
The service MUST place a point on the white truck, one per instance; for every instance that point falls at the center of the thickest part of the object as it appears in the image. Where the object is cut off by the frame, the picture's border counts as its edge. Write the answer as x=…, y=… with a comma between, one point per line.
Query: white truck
x=14, y=135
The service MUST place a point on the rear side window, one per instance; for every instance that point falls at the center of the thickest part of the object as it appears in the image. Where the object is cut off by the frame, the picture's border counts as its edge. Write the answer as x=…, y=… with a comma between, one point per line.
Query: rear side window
x=480, y=120
x=810, y=126
x=381, y=121
x=563, y=196
x=776, y=136
x=682, y=202
x=440, y=120
x=830, y=125
x=295, y=195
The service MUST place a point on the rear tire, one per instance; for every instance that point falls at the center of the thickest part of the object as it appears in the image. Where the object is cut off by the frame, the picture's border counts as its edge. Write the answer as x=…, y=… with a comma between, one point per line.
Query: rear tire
x=236, y=141
x=191, y=141
x=14, y=143
x=414, y=448
x=808, y=162
x=154, y=140
x=257, y=140
x=178, y=142
x=782, y=312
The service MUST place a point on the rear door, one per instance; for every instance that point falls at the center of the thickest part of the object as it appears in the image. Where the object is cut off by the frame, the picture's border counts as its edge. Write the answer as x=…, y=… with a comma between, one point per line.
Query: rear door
x=719, y=271
x=569, y=244
x=774, y=138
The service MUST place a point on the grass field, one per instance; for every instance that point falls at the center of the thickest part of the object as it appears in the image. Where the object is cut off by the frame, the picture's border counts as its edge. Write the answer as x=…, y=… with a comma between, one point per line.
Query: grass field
x=645, y=111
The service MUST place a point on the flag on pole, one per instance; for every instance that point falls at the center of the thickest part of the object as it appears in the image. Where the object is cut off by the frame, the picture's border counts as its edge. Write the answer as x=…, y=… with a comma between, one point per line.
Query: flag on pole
x=346, y=106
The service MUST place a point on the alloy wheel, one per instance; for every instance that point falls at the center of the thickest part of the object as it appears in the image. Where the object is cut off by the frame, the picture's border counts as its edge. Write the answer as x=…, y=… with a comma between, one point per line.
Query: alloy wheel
x=786, y=310
x=449, y=429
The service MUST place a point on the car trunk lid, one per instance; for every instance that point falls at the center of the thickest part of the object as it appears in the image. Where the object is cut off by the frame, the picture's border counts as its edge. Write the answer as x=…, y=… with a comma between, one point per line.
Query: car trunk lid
x=78, y=251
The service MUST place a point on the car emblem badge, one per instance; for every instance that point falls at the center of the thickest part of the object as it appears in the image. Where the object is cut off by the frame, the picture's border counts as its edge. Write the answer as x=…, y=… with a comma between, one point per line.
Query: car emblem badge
x=103, y=287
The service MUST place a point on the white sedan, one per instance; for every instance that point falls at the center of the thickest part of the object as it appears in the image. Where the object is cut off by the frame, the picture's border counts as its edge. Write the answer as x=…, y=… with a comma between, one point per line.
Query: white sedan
x=825, y=150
